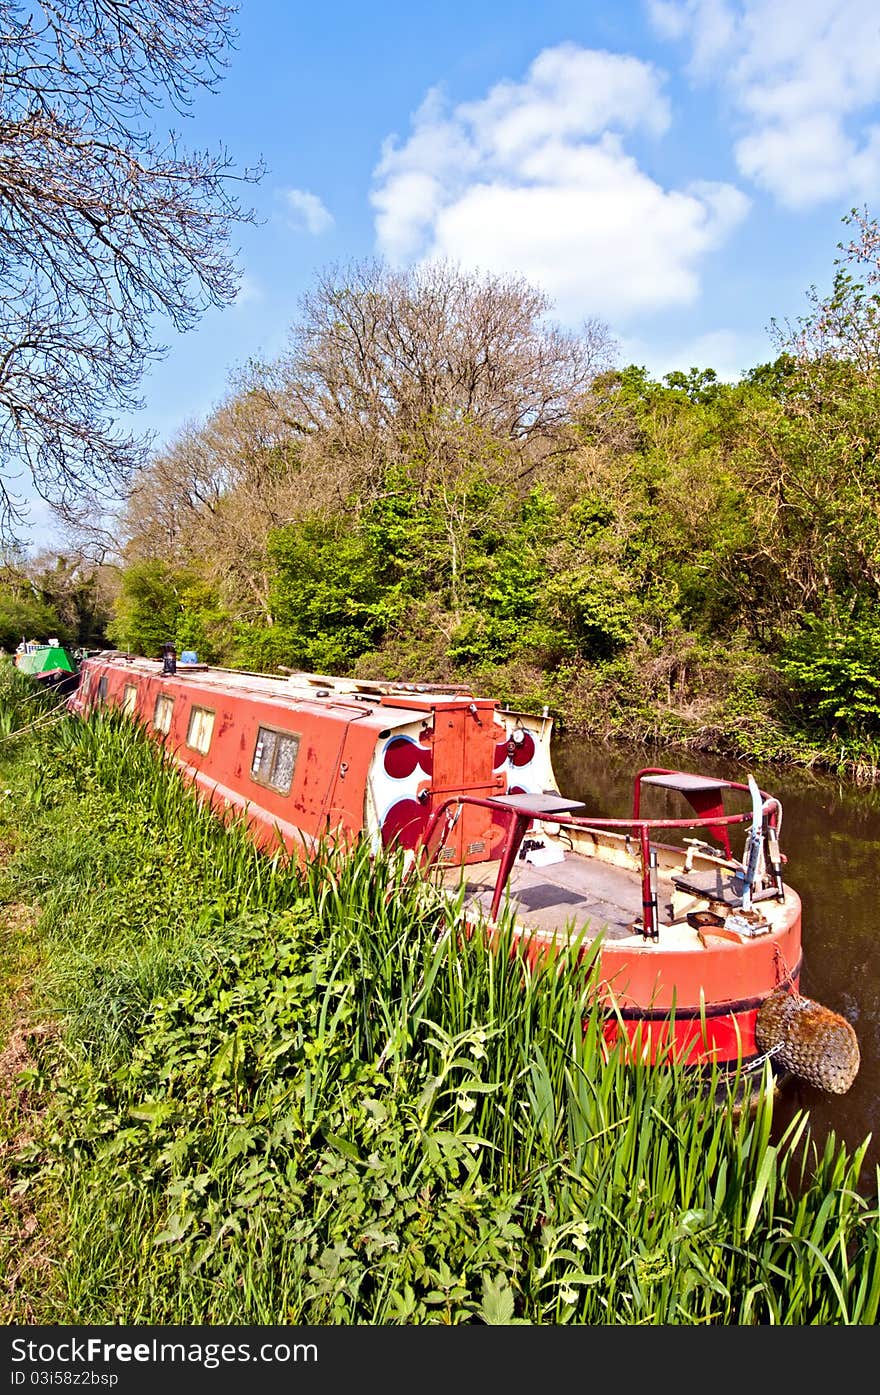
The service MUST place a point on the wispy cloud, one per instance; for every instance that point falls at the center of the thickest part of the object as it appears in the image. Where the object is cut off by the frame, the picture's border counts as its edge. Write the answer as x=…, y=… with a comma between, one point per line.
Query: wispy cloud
x=308, y=213
x=803, y=77
x=535, y=179
x=249, y=291
x=728, y=351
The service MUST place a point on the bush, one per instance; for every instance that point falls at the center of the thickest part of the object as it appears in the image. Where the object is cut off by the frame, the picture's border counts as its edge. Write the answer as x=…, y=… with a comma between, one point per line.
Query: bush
x=836, y=674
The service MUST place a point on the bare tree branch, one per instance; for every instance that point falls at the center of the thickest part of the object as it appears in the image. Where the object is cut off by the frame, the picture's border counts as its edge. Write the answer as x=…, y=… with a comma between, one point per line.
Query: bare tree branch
x=386, y=364
x=105, y=226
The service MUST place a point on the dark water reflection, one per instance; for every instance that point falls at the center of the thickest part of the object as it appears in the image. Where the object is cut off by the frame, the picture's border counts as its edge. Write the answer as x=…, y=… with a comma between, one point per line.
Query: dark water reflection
x=831, y=836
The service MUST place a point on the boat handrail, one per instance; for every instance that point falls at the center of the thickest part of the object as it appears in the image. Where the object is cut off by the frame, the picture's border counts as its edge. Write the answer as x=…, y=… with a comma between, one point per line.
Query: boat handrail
x=523, y=812
x=534, y=811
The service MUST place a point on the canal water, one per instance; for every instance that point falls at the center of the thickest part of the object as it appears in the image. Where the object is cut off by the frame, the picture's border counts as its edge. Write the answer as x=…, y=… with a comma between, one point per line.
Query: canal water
x=831, y=837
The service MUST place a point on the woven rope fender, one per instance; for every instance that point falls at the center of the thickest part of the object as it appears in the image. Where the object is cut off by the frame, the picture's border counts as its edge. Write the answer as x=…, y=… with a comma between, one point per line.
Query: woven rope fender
x=810, y=1040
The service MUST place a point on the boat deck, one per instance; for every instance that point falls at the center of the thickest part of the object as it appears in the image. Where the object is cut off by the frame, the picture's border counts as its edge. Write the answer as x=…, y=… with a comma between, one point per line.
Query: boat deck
x=576, y=893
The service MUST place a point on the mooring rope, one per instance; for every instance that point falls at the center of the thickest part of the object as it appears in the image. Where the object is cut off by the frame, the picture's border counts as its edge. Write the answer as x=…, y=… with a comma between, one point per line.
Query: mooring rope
x=29, y=697
x=55, y=714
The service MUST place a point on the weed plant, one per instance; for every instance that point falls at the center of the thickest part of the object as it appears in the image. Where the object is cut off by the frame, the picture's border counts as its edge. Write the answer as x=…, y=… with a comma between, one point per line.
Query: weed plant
x=307, y=1095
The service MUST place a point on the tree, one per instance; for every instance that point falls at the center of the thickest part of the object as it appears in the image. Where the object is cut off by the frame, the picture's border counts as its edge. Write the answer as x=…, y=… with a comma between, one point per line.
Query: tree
x=811, y=450
x=54, y=593
x=418, y=402
x=835, y=670
x=844, y=325
x=393, y=366
x=105, y=226
x=79, y=592
x=26, y=616
x=330, y=598
x=212, y=497
x=151, y=607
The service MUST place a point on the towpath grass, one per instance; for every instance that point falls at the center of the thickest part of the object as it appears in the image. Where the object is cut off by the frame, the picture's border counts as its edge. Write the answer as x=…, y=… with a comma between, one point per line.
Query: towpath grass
x=281, y=1097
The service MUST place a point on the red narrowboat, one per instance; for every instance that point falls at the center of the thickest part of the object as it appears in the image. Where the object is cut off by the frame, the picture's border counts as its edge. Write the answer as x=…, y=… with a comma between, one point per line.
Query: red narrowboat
x=700, y=949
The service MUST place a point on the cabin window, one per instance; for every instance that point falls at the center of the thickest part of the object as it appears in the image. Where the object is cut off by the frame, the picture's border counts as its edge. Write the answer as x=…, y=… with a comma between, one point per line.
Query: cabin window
x=129, y=699
x=201, y=729
x=274, y=759
x=102, y=689
x=162, y=713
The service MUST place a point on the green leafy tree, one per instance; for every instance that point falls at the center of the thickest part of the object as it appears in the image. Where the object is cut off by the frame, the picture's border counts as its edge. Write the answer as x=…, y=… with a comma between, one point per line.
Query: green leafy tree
x=29, y=617
x=158, y=604
x=835, y=669
x=78, y=592
x=330, y=598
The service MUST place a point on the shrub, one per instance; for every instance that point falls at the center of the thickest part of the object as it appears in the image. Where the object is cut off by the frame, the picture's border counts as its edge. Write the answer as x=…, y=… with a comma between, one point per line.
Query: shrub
x=835, y=670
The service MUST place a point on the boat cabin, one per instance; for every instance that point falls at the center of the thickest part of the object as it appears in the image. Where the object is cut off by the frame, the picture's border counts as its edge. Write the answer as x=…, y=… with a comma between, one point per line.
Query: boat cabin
x=310, y=757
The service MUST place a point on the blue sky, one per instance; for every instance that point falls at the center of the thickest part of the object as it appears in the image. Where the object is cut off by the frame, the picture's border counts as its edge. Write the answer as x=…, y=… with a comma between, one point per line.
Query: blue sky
x=675, y=168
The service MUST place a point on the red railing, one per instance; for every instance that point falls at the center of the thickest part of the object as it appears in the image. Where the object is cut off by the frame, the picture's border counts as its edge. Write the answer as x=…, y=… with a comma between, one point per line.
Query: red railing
x=523, y=813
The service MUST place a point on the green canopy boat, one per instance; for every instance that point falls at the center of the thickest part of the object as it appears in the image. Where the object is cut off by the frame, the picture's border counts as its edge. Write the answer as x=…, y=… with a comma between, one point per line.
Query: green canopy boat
x=50, y=664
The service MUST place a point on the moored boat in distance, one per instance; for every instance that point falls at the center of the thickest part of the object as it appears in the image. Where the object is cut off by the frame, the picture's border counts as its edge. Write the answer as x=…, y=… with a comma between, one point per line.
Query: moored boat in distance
x=49, y=663
x=699, y=951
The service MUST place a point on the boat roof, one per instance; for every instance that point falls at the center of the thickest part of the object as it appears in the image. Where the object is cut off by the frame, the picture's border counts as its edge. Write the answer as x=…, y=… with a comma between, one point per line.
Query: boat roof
x=41, y=657
x=378, y=703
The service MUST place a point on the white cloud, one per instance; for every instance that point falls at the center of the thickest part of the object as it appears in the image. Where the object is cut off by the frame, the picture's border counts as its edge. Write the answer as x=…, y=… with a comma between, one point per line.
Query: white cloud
x=710, y=24
x=803, y=77
x=570, y=93
x=309, y=213
x=534, y=179
x=728, y=351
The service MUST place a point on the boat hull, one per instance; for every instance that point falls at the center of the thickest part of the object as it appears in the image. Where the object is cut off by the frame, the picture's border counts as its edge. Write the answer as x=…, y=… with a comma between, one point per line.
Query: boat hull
x=458, y=781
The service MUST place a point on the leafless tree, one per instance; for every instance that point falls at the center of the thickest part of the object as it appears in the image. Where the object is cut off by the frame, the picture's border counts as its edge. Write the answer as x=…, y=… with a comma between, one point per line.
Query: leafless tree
x=213, y=496
x=387, y=363
x=106, y=225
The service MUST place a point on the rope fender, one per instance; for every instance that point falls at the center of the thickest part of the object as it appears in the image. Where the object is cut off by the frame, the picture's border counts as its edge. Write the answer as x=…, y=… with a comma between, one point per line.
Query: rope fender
x=810, y=1040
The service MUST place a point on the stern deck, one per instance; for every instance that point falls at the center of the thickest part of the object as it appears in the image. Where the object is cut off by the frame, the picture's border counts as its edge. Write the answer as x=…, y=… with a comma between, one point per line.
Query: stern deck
x=577, y=893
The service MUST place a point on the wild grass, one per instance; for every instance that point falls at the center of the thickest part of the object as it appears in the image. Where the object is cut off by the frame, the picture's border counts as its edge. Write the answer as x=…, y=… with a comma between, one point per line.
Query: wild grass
x=309, y=1096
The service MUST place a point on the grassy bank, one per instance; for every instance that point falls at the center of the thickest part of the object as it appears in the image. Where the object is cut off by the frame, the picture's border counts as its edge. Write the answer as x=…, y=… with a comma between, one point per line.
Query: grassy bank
x=258, y=1095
